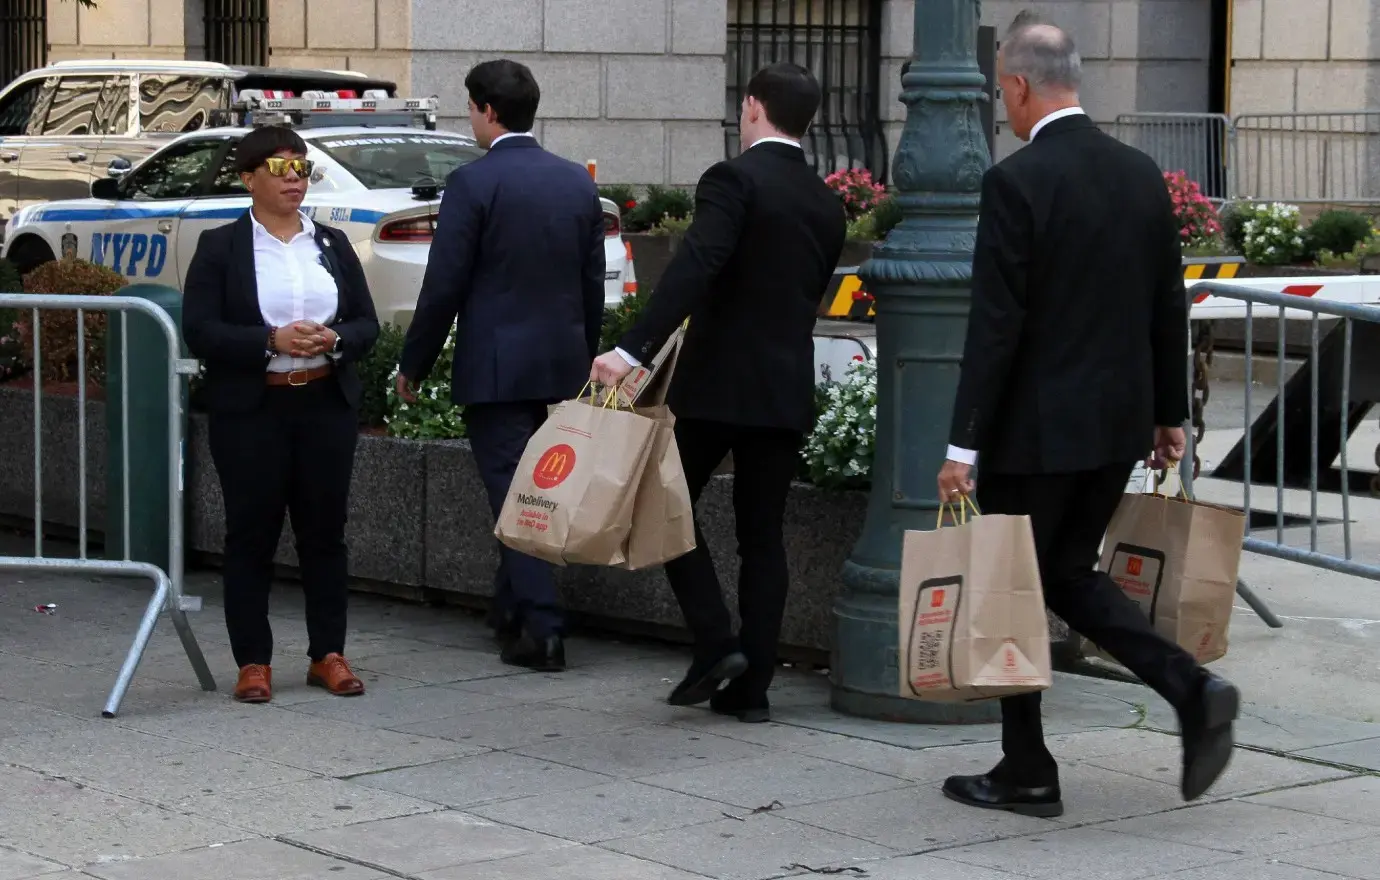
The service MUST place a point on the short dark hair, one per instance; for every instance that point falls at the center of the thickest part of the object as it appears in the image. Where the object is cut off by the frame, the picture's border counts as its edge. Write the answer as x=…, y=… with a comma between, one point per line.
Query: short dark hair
x=509, y=88
x=789, y=93
x=264, y=143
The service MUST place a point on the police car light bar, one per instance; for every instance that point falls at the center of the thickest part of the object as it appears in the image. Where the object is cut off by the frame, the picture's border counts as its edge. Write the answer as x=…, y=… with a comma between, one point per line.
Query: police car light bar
x=282, y=108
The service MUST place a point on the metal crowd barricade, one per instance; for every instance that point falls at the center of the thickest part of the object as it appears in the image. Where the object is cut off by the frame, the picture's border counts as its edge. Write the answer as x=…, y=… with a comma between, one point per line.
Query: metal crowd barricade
x=1333, y=357
x=167, y=594
x=1330, y=158
x=1199, y=144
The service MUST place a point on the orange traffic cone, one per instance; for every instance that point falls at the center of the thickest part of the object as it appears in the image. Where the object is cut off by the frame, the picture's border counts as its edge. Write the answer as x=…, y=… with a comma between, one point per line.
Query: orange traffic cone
x=629, y=275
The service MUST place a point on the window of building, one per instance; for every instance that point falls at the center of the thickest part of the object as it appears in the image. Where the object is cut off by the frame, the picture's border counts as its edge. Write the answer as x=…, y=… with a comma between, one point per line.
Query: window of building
x=17, y=107
x=837, y=40
x=237, y=32
x=23, y=37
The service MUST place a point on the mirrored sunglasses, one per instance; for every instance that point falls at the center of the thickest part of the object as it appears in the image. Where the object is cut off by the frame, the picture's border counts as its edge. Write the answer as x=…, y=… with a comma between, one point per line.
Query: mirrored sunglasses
x=278, y=166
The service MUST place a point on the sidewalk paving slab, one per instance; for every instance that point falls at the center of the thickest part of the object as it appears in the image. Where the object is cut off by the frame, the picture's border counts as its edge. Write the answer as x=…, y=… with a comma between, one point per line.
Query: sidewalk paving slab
x=453, y=767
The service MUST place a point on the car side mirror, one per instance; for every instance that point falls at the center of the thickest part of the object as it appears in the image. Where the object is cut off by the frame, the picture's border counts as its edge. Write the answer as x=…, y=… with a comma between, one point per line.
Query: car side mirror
x=107, y=189
x=118, y=167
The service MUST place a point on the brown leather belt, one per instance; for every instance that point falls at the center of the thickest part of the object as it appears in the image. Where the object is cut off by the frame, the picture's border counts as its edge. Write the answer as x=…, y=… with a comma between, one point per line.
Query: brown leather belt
x=297, y=378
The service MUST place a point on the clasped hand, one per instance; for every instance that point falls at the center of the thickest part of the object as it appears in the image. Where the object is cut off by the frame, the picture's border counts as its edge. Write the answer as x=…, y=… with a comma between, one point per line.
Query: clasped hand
x=304, y=339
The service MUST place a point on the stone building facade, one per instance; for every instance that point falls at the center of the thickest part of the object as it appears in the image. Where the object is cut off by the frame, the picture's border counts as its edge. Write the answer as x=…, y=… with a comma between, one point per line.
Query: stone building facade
x=644, y=86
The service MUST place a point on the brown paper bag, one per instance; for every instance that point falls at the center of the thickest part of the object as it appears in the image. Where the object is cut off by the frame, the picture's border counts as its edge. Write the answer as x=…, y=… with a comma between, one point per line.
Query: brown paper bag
x=647, y=385
x=1178, y=559
x=571, y=500
x=972, y=612
x=663, y=522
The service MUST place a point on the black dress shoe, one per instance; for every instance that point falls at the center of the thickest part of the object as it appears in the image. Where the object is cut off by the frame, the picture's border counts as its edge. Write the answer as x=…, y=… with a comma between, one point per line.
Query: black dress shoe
x=543, y=655
x=504, y=623
x=704, y=677
x=1206, y=728
x=989, y=793
x=749, y=710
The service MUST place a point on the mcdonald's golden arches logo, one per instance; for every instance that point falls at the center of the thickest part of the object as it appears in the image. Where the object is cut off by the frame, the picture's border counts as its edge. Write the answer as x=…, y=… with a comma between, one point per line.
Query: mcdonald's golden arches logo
x=554, y=466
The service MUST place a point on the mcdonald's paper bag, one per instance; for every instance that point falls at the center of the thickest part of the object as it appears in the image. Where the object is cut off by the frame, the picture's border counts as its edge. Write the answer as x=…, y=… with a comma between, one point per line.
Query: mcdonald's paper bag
x=972, y=612
x=663, y=520
x=647, y=385
x=571, y=500
x=1178, y=559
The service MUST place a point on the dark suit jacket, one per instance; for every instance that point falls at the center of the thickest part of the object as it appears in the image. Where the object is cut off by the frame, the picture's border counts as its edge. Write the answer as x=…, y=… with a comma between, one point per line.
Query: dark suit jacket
x=518, y=259
x=224, y=328
x=750, y=274
x=1077, y=341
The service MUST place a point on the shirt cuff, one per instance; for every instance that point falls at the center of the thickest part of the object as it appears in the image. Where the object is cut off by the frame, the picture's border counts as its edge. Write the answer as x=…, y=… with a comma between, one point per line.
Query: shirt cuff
x=632, y=361
x=961, y=455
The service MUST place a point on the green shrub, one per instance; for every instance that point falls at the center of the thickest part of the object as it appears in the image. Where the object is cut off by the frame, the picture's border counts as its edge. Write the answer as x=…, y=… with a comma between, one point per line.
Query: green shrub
x=12, y=362
x=671, y=226
x=376, y=371
x=10, y=281
x=838, y=453
x=1336, y=231
x=1233, y=219
x=431, y=416
x=887, y=216
x=622, y=195
x=619, y=320
x=1271, y=234
x=659, y=203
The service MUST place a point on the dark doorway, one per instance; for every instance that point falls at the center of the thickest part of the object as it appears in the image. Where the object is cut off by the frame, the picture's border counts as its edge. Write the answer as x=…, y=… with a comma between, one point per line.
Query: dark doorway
x=237, y=32
x=23, y=37
x=840, y=42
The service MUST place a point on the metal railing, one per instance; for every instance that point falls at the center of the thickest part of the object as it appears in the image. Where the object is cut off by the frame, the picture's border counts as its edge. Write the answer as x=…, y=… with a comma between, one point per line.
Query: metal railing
x=1332, y=377
x=1318, y=158
x=167, y=594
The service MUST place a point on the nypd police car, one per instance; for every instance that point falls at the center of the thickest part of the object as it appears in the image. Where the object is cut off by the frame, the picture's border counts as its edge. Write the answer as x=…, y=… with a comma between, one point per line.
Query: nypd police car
x=379, y=183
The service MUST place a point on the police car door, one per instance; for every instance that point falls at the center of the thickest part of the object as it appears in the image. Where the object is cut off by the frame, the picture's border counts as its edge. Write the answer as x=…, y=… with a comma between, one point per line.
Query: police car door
x=138, y=233
x=224, y=199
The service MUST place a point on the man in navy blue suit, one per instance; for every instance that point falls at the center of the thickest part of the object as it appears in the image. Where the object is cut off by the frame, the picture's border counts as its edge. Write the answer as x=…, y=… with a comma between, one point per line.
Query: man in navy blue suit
x=517, y=265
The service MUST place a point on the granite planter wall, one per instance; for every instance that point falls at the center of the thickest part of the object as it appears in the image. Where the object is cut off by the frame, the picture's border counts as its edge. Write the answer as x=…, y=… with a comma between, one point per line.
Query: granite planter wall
x=651, y=255
x=60, y=458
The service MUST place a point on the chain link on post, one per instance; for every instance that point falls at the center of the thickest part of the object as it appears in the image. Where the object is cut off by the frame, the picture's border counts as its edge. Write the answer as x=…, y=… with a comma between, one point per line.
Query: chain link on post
x=1202, y=364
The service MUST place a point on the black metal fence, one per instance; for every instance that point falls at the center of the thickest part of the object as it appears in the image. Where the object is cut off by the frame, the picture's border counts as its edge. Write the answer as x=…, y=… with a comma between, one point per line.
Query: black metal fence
x=237, y=31
x=23, y=37
x=840, y=42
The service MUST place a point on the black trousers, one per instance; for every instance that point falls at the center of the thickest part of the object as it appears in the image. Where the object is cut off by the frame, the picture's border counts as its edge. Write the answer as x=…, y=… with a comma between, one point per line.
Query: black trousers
x=765, y=461
x=1069, y=514
x=524, y=586
x=294, y=454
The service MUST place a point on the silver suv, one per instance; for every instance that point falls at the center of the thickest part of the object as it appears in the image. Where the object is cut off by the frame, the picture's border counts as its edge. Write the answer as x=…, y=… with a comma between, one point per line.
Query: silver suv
x=76, y=121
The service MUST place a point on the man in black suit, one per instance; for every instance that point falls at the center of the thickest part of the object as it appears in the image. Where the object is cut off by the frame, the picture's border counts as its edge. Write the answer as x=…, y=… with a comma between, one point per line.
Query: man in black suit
x=1075, y=367
x=517, y=267
x=766, y=237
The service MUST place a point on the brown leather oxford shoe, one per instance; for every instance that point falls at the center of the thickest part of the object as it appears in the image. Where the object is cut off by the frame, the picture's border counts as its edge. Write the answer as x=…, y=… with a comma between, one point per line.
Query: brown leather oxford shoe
x=333, y=673
x=255, y=684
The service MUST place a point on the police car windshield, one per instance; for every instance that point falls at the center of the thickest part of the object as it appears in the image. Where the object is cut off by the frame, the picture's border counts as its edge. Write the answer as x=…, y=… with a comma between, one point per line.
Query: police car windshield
x=398, y=161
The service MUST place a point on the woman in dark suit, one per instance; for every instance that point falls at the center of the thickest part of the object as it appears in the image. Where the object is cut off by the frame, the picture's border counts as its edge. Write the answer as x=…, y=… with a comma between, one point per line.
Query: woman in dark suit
x=278, y=310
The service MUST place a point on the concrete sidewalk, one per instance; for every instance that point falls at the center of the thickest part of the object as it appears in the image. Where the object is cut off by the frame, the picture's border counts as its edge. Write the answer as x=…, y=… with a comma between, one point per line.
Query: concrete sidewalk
x=453, y=766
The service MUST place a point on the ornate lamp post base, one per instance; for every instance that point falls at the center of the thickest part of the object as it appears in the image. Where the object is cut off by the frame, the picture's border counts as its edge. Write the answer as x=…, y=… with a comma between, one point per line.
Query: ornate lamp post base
x=920, y=277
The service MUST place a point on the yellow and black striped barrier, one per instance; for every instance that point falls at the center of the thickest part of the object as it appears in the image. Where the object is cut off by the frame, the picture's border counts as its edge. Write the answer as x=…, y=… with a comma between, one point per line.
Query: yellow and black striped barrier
x=848, y=300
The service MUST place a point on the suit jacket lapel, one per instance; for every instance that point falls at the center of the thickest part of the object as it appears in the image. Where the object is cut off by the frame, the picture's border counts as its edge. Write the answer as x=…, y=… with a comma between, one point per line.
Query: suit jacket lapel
x=242, y=259
x=326, y=245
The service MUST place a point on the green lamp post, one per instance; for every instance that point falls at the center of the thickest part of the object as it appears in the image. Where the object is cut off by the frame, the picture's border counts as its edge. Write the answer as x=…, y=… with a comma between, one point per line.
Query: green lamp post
x=920, y=277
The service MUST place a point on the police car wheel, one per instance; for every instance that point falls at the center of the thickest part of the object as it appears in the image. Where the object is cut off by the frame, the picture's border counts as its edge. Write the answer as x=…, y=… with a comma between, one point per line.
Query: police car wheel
x=30, y=253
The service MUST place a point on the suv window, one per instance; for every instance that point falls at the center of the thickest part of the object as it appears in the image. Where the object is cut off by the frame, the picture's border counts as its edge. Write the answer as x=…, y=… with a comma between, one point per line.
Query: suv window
x=16, y=108
x=112, y=107
x=175, y=173
x=72, y=111
x=178, y=103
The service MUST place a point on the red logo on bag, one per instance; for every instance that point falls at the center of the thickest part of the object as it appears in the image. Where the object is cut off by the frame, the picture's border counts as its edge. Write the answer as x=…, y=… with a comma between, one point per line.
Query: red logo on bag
x=554, y=466
x=937, y=599
x=1133, y=564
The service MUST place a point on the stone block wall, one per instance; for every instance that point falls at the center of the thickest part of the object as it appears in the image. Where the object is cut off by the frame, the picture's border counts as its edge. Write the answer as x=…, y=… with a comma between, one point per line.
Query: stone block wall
x=156, y=29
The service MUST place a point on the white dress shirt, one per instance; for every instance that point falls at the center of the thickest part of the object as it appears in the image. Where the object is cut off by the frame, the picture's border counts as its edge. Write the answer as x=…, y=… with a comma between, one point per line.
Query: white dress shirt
x=958, y=453
x=510, y=134
x=293, y=286
x=634, y=362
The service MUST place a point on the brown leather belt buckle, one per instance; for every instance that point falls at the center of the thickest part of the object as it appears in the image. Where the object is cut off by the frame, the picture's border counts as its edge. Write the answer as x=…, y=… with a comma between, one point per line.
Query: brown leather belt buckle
x=298, y=378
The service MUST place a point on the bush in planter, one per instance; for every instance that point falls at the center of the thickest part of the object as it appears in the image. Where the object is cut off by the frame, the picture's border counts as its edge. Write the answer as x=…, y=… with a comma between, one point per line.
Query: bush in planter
x=660, y=202
x=1338, y=232
x=857, y=190
x=432, y=416
x=619, y=320
x=621, y=195
x=876, y=224
x=838, y=453
x=671, y=226
x=1199, y=224
x=1233, y=221
x=58, y=340
x=11, y=351
x=1271, y=234
x=375, y=372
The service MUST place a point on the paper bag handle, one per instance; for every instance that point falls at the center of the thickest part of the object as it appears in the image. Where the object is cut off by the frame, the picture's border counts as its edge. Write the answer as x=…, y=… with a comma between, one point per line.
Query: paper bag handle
x=610, y=400
x=1163, y=475
x=958, y=511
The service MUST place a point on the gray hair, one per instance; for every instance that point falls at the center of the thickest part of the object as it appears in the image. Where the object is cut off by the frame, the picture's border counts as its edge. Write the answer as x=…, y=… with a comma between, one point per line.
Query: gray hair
x=1042, y=53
